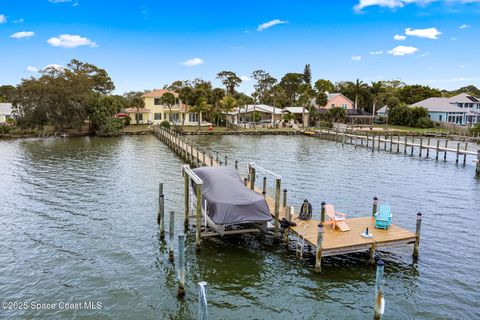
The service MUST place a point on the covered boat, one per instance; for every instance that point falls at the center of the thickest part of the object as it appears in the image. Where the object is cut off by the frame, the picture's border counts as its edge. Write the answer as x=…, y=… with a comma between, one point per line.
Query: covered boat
x=226, y=201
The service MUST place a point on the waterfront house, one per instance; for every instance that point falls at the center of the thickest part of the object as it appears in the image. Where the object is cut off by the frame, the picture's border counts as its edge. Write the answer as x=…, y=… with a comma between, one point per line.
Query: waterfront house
x=445, y=110
x=245, y=114
x=297, y=112
x=5, y=112
x=335, y=100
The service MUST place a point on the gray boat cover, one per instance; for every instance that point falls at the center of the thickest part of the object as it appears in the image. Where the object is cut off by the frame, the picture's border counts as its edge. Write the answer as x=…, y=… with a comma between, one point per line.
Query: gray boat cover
x=228, y=200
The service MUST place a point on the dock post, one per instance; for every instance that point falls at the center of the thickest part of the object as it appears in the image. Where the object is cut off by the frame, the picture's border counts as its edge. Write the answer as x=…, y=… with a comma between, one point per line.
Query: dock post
x=161, y=215
x=379, y=300
x=211, y=159
x=217, y=156
x=187, y=200
x=445, y=154
x=171, y=233
x=391, y=143
x=284, y=198
x=413, y=142
x=405, y=145
x=428, y=147
x=477, y=168
x=373, y=143
x=318, y=254
x=160, y=193
x=245, y=181
x=264, y=188
x=236, y=164
x=371, y=258
x=288, y=216
x=465, y=154
x=181, y=266
x=421, y=147
x=226, y=160
x=458, y=152
x=398, y=144
x=278, y=188
x=322, y=212
x=417, y=233
x=374, y=206
x=202, y=301
x=252, y=178
x=198, y=217
x=204, y=156
x=438, y=149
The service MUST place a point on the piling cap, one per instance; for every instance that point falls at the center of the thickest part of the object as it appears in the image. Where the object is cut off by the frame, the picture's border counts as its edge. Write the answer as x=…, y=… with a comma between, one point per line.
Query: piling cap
x=161, y=196
x=320, y=225
x=375, y=198
x=284, y=190
x=380, y=263
x=419, y=214
x=305, y=200
x=323, y=203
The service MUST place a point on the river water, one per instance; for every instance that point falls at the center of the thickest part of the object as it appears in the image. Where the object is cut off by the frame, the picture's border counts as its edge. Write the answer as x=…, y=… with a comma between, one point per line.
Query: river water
x=78, y=224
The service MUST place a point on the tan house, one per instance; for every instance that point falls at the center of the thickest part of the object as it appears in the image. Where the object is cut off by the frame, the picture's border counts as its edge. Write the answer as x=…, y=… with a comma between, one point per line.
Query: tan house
x=155, y=112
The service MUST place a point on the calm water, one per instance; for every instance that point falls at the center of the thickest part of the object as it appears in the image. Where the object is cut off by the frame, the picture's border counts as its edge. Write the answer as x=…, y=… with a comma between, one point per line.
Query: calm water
x=78, y=223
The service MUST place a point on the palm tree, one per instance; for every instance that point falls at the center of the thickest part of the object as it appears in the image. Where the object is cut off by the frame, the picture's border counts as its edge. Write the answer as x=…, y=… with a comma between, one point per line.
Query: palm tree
x=138, y=103
x=185, y=95
x=201, y=105
x=358, y=88
x=227, y=104
x=168, y=99
x=305, y=99
x=375, y=90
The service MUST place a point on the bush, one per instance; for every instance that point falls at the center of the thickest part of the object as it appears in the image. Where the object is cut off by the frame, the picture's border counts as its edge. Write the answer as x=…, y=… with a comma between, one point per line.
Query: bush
x=127, y=120
x=409, y=116
x=424, y=122
x=111, y=127
x=475, y=129
x=4, y=129
x=325, y=124
x=165, y=124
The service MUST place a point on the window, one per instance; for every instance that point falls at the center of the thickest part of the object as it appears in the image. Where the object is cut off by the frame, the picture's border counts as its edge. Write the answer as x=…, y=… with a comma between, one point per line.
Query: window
x=175, y=117
x=139, y=116
x=440, y=118
x=333, y=105
x=157, y=116
x=344, y=105
x=192, y=117
x=157, y=102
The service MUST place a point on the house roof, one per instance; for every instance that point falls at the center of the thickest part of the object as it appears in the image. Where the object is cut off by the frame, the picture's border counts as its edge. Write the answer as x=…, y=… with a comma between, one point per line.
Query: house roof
x=157, y=93
x=259, y=108
x=382, y=110
x=295, y=109
x=464, y=98
x=6, y=108
x=134, y=110
x=438, y=105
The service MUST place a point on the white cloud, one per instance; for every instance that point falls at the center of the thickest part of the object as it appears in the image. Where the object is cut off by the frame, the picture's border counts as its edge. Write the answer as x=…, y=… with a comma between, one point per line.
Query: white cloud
x=356, y=58
x=192, y=62
x=59, y=1
x=376, y=53
x=22, y=34
x=401, y=3
x=53, y=66
x=31, y=69
x=428, y=33
x=402, y=50
x=464, y=26
x=245, y=78
x=70, y=41
x=399, y=37
x=269, y=24
x=3, y=19
x=424, y=54
x=18, y=20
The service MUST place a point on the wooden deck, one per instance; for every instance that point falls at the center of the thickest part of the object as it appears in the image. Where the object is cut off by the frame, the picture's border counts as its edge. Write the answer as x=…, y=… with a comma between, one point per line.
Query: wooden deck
x=334, y=242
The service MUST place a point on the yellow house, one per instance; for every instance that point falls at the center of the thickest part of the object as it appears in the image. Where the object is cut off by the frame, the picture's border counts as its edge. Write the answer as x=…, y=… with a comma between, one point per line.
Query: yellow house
x=155, y=112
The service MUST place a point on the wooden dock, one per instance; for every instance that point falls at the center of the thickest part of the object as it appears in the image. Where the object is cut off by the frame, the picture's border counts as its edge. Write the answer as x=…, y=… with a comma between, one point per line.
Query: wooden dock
x=323, y=238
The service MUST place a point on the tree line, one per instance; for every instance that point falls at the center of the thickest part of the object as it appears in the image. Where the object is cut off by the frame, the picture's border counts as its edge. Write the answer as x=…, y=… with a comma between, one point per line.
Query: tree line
x=67, y=97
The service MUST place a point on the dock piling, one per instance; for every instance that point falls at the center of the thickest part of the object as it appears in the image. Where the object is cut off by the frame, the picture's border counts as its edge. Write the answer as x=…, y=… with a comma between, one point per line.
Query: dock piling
x=252, y=177
x=288, y=216
x=226, y=160
x=202, y=301
x=413, y=142
x=421, y=147
x=245, y=181
x=186, y=200
x=284, y=198
x=445, y=154
x=371, y=258
x=374, y=206
x=161, y=215
x=458, y=152
x=417, y=234
x=198, y=217
x=438, y=150
x=428, y=147
x=236, y=164
x=465, y=154
x=405, y=145
x=379, y=300
x=477, y=168
x=171, y=231
x=264, y=187
x=322, y=212
x=181, y=266
x=278, y=186
x=318, y=254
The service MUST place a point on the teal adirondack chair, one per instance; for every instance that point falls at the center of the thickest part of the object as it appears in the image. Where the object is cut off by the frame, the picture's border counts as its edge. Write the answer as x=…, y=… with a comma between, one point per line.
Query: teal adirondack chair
x=383, y=217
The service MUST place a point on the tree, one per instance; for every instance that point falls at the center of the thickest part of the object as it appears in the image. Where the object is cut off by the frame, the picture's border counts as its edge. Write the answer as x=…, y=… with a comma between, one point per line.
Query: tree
x=264, y=87
x=305, y=99
x=138, y=103
x=321, y=99
x=201, y=105
x=358, y=87
x=168, y=99
x=307, y=74
x=291, y=83
x=101, y=109
x=230, y=80
x=323, y=85
x=60, y=96
x=7, y=93
x=217, y=95
x=376, y=89
x=227, y=104
x=336, y=114
x=411, y=94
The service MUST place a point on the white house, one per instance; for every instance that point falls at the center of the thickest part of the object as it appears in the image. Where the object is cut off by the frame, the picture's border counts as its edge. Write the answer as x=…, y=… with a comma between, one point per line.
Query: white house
x=5, y=112
x=298, y=112
x=267, y=114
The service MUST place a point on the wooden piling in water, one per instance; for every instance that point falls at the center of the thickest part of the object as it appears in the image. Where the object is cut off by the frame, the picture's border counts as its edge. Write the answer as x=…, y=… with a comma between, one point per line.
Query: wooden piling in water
x=405, y=145
x=181, y=266
x=428, y=147
x=226, y=160
x=171, y=233
x=391, y=143
x=465, y=154
x=322, y=212
x=288, y=216
x=161, y=212
x=374, y=206
x=417, y=234
x=186, y=185
x=318, y=253
x=264, y=187
x=379, y=300
x=421, y=147
x=252, y=178
x=398, y=144
x=438, y=150
x=458, y=152
x=236, y=164
x=284, y=198
x=445, y=154
x=198, y=217
x=371, y=258
x=411, y=150
x=278, y=188
x=477, y=168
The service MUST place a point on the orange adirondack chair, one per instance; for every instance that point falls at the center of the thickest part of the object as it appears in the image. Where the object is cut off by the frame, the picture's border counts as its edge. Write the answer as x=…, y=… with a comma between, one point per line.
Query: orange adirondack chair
x=336, y=219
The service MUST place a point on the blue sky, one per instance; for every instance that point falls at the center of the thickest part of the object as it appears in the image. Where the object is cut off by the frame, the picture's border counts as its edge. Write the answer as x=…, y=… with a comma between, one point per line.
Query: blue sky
x=146, y=44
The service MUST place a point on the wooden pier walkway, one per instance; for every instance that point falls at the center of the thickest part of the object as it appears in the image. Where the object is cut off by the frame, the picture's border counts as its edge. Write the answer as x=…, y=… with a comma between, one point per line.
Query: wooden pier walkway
x=323, y=238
